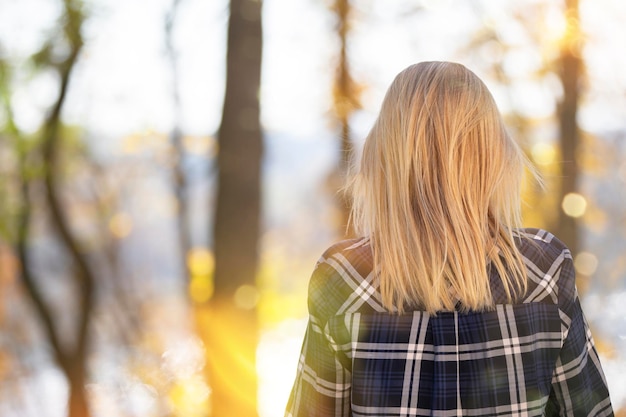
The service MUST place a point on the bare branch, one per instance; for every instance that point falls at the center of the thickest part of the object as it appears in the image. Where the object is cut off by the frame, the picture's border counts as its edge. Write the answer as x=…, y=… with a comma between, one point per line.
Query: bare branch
x=27, y=277
x=178, y=172
x=50, y=145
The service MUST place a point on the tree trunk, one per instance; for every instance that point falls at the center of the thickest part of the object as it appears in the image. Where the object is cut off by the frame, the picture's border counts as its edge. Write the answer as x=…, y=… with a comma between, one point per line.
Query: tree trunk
x=570, y=67
x=72, y=360
x=232, y=328
x=77, y=405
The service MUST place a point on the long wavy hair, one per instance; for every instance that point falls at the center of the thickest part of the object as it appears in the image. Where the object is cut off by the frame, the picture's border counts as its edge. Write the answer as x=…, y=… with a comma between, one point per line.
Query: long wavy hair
x=437, y=191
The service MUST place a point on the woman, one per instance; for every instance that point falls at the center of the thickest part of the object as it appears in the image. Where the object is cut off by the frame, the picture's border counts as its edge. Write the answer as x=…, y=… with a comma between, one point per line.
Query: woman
x=445, y=307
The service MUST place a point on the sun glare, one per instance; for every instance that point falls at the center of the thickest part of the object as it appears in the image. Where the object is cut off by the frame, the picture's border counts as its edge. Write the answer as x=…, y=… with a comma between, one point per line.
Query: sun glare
x=190, y=397
x=201, y=263
x=543, y=153
x=574, y=205
x=555, y=24
x=277, y=361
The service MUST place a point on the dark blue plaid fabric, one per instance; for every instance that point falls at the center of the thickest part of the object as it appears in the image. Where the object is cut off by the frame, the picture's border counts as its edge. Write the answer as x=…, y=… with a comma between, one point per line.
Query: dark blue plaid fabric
x=532, y=358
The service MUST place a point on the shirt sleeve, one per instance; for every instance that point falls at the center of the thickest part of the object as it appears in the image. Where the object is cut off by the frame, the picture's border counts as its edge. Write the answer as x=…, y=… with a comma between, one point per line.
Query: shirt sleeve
x=322, y=386
x=578, y=384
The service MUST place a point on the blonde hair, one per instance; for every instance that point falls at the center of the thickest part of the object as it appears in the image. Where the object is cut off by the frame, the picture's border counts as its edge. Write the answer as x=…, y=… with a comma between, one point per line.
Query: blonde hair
x=437, y=191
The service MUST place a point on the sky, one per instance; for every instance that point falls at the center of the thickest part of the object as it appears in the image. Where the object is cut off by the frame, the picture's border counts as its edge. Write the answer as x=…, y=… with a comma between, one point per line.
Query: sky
x=123, y=83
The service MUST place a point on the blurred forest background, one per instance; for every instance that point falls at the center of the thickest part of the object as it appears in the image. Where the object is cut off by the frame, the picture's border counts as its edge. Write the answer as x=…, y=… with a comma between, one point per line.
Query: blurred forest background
x=169, y=173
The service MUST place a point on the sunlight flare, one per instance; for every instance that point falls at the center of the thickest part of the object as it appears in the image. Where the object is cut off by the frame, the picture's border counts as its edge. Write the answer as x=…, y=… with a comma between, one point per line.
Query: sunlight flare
x=574, y=205
x=543, y=153
x=201, y=263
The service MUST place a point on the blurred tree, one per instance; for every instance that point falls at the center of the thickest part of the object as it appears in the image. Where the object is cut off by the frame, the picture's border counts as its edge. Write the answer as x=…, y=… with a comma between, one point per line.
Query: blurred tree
x=231, y=329
x=178, y=150
x=569, y=68
x=345, y=101
x=71, y=358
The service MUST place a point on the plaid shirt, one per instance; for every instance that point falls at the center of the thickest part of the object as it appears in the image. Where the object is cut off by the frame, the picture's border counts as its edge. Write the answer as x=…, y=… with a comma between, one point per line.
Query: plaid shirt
x=531, y=358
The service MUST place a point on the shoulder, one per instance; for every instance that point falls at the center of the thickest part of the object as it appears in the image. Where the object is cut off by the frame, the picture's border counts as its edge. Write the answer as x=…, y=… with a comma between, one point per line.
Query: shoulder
x=541, y=248
x=340, y=270
x=542, y=237
x=549, y=265
x=355, y=251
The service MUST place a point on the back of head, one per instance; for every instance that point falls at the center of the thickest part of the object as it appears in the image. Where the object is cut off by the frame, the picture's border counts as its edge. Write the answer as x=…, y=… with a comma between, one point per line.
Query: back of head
x=438, y=191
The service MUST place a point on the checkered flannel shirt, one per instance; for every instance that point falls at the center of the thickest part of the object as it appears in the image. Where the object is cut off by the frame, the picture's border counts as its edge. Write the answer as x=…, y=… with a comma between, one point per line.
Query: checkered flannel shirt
x=531, y=358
